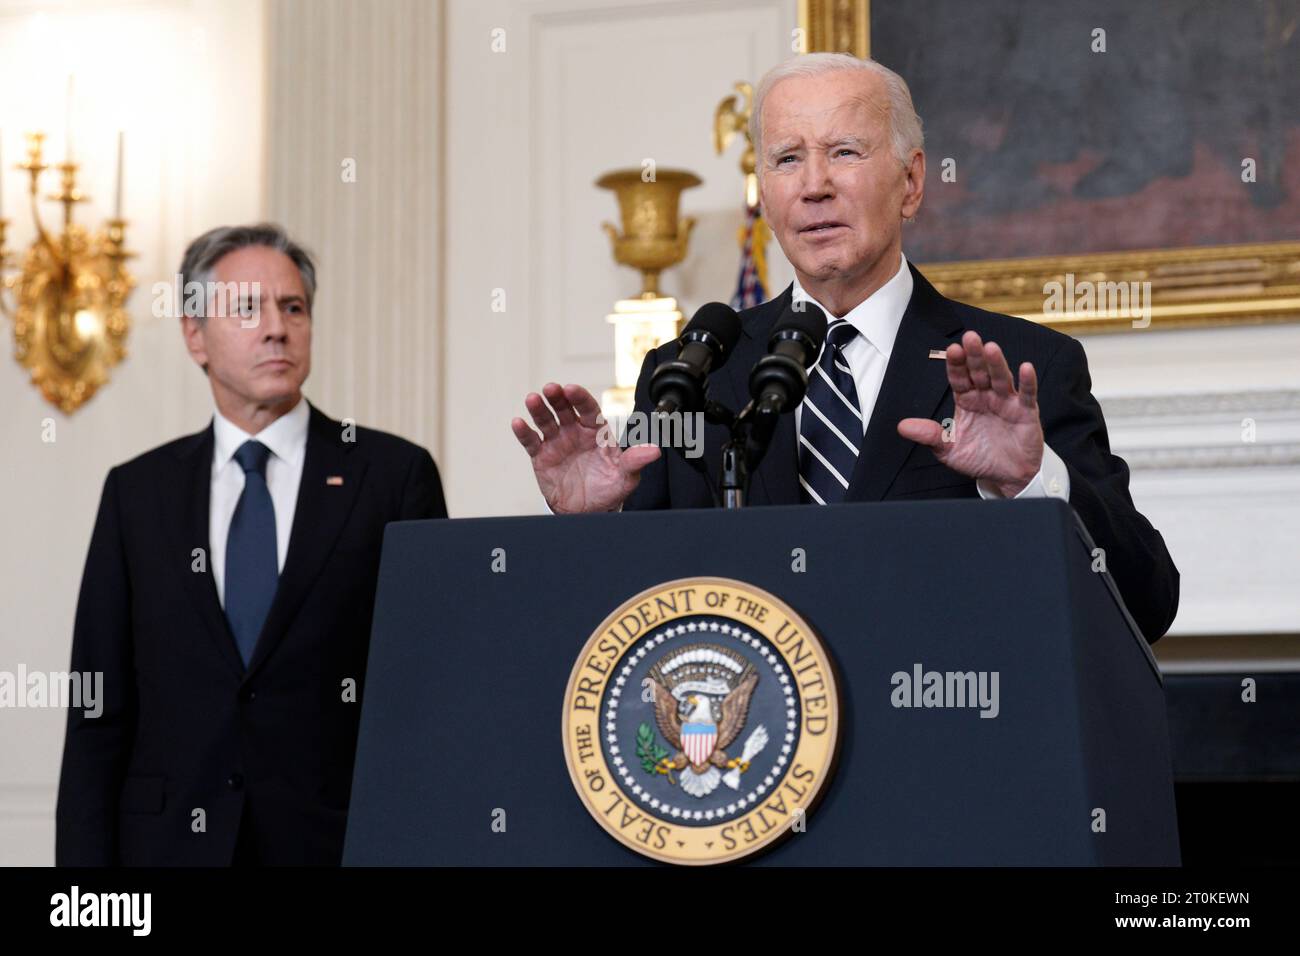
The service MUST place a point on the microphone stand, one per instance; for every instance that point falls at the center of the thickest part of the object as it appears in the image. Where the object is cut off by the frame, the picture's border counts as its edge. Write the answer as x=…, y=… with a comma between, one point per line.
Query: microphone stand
x=751, y=433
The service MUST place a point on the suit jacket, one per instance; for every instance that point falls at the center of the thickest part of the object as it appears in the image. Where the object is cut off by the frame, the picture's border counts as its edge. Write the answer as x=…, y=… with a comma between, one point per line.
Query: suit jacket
x=891, y=468
x=185, y=727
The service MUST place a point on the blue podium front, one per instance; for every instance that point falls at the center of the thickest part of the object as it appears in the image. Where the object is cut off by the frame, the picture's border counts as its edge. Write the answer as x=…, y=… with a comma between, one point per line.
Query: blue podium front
x=1050, y=747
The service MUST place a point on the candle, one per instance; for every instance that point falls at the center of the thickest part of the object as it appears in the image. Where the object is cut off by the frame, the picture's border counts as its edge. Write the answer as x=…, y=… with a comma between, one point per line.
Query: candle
x=67, y=121
x=117, y=204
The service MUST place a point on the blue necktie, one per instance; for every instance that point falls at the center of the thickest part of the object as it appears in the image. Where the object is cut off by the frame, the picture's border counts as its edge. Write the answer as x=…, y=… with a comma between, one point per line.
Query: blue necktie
x=830, y=422
x=252, y=566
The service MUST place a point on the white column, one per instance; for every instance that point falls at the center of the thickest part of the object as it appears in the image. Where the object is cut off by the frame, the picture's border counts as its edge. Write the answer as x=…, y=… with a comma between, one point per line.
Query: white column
x=355, y=91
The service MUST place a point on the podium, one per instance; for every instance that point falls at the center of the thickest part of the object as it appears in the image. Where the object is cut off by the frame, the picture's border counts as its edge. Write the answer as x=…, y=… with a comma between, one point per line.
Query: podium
x=479, y=623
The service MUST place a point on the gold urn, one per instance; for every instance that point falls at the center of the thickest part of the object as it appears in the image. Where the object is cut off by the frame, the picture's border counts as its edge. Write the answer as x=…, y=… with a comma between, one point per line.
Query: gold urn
x=653, y=237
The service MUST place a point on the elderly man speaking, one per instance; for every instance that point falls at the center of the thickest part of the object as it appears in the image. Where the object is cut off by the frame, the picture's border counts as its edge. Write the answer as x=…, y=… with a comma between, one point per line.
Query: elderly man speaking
x=841, y=167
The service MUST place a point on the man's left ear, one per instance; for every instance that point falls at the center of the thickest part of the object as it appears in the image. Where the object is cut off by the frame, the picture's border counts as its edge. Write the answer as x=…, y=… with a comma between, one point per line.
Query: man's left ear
x=192, y=333
x=915, y=186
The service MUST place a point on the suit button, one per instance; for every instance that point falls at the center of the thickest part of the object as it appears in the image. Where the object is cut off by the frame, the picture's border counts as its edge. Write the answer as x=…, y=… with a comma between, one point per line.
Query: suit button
x=236, y=781
x=248, y=694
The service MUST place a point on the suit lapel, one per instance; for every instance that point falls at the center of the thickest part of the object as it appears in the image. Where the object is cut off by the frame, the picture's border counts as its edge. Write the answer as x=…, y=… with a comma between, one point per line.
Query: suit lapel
x=318, y=518
x=913, y=386
x=185, y=511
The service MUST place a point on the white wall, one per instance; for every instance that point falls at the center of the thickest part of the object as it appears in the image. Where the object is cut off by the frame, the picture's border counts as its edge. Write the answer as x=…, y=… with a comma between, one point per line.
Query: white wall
x=184, y=79
x=1227, y=501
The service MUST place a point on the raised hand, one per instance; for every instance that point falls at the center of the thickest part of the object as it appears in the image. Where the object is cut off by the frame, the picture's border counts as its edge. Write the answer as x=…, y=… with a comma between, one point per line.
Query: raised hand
x=996, y=434
x=576, y=459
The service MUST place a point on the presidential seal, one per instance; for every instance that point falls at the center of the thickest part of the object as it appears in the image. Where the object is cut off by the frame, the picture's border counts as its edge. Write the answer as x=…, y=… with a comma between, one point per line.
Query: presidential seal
x=700, y=721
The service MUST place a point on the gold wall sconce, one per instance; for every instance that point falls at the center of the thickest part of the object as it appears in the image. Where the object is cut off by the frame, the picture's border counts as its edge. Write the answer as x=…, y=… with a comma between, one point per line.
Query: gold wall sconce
x=69, y=294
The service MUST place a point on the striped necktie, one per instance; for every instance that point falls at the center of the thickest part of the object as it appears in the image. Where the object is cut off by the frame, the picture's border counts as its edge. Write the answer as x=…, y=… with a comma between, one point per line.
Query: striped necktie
x=830, y=422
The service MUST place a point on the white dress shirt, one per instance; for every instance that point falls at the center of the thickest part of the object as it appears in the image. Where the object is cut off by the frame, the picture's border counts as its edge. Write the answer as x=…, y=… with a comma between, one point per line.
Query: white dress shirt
x=877, y=319
x=286, y=437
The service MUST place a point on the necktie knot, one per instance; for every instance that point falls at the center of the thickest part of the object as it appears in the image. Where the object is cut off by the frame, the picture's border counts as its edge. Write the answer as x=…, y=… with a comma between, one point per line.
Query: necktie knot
x=840, y=333
x=252, y=456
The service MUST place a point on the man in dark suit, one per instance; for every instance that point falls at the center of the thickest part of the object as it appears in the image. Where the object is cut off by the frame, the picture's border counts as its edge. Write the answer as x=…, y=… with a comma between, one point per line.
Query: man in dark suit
x=228, y=593
x=912, y=396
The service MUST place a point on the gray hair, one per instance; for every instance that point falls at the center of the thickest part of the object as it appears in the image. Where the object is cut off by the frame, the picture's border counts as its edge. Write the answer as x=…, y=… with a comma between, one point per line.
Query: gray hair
x=203, y=254
x=904, y=124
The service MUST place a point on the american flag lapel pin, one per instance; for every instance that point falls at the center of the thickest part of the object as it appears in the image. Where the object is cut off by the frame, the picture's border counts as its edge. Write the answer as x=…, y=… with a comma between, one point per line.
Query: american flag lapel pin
x=938, y=353
x=334, y=480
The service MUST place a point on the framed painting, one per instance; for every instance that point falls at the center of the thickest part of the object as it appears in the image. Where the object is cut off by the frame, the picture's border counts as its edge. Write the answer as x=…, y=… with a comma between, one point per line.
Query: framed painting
x=1099, y=166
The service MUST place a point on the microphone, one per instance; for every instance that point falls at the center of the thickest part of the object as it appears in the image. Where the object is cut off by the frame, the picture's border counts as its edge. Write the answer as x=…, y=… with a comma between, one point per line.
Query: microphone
x=705, y=345
x=779, y=380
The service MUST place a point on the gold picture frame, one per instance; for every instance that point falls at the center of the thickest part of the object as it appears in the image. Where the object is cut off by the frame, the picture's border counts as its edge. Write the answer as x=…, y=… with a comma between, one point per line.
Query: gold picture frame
x=836, y=26
x=1189, y=287
x=1194, y=286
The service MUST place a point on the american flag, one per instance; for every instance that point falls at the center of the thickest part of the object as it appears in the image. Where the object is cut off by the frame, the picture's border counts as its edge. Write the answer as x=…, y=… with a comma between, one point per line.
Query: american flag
x=751, y=287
